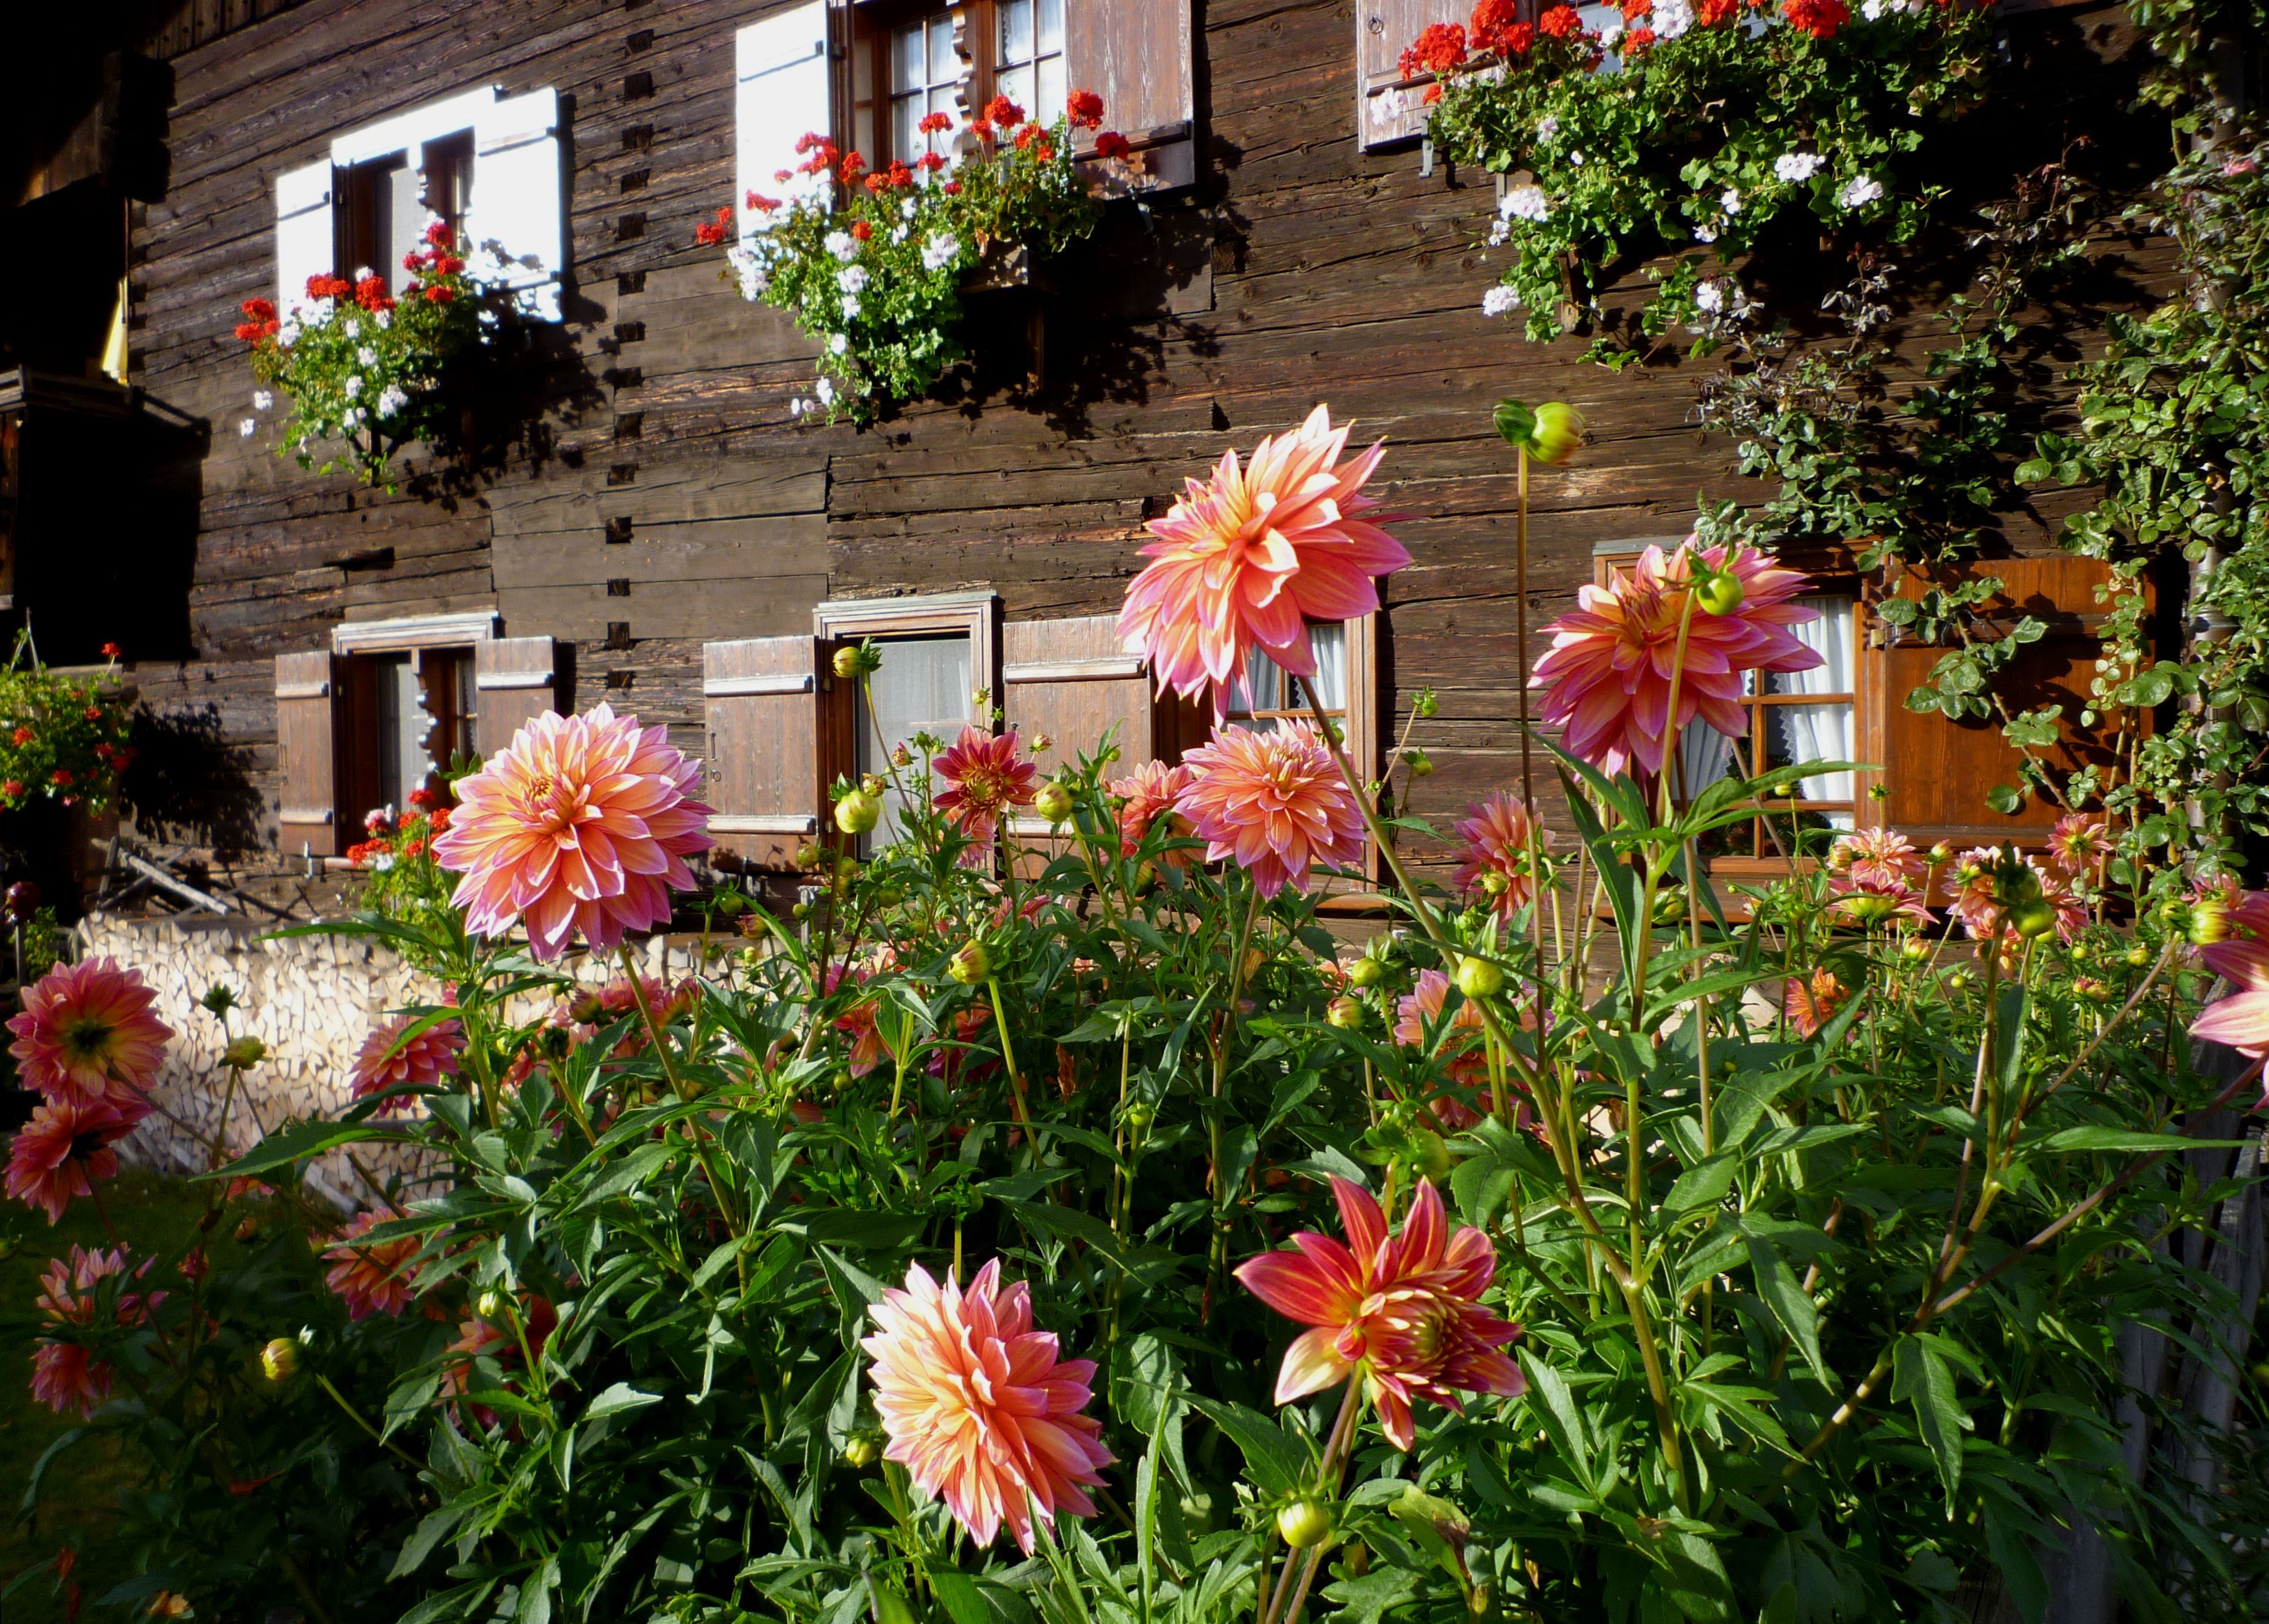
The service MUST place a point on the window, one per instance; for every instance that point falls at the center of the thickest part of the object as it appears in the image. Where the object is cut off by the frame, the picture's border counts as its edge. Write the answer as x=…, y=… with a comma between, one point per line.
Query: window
x=1794, y=717
x=1028, y=59
x=925, y=77
x=1270, y=694
x=488, y=165
x=408, y=714
x=924, y=687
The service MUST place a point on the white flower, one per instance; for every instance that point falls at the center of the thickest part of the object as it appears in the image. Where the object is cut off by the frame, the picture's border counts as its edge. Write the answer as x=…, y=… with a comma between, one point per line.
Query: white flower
x=1858, y=191
x=852, y=278
x=1705, y=233
x=354, y=386
x=1872, y=11
x=245, y=426
x=1497, y=301
x=393, y=400
x=1525, y=202
x=1671, y=18
x=366, y=357
x=363, y=273
x=850, y=308
x=749, y=268
x=1499, y=231
x=898, y=234
x=385, y=319
x=907, y=209
x=1709, y=297
x=261, y=400
x=825, y=389
x=1730, y=201
x=1576, y=158
x=1547, y=128
x=1386, y=106
x=841, y=245
x=383, y=861
x=1797, y=167
x=354, y=416
x=288, y=333
x=939, y=250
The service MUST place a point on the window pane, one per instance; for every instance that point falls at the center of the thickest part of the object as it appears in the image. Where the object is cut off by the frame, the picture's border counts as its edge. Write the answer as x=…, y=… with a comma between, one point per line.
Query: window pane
x=468, y=708
x=402, y=725
x=944, y=67
x=1329, y=644
x=1017, y=85
x=906, y=137
x=923, y=687
x=908, y=71
x=1050, y=25
x=1015, y=32
x=1053, y=91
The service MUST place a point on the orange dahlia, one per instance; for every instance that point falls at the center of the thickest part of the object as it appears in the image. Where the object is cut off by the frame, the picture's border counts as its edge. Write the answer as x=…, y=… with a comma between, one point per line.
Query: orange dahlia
x=979, y=1407
x=1147, y=794
x=986, y=776
x=387, y=1060
x=1606, y=676
x=1496, y=831
x=1250, y=558
x=1401, y=1313
x=580, y=824
x=370, y=1277
x=1809, y=1005
x=1271, y=802
x=66, y=1375
x=1464, y=1057
x=2081, y=843
x=1882, y=855
x=88, y=1032
x=59, y=1153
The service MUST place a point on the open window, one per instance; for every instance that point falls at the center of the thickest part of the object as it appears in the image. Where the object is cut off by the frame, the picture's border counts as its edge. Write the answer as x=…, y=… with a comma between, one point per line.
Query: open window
x=485, y=164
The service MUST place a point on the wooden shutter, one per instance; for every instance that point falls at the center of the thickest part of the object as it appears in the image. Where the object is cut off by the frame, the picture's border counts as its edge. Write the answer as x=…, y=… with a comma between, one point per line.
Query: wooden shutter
x=1136, y=55
x=516, y=205
x=776, y=741
x=1390, y=109
x=307, y=695
x=303, y=232
x=781, y=95
x=1937, y=773
x=514, y=680
x=1072, y=681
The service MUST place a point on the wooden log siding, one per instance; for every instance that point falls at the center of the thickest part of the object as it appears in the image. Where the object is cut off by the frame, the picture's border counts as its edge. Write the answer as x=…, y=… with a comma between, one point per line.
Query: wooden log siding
x=1301, y=268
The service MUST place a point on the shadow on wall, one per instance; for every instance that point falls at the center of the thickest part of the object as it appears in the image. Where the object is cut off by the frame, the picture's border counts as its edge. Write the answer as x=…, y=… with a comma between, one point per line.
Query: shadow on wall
x=188, y=784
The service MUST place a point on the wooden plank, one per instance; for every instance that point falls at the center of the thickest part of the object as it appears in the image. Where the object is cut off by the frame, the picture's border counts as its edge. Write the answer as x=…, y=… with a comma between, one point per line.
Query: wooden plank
x=721, y=609
x=704, y=551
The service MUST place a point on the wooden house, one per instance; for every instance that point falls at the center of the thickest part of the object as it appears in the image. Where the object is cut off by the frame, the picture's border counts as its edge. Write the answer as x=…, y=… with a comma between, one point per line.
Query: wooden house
x=656, y=529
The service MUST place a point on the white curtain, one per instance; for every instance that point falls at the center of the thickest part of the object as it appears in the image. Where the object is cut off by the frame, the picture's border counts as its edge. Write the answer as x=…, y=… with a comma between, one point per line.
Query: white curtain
x=1329, y=642
x=1809, y=733
x=1270, y=689
x=1706, y=755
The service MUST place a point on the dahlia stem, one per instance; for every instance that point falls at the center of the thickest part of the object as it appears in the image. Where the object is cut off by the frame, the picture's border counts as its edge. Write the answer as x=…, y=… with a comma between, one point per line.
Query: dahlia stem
x=1327, y=1482
x=1015, y=1078
x=653, y=1028
x=356, y=1416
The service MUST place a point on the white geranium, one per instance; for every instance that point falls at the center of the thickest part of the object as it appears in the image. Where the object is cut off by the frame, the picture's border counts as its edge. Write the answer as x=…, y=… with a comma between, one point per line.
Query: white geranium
x=749, y=268
x=1525, y=202
x=1671, y=18
x=1547, y=128
x=1499, y=231
x=842, y=245
x=898, y=235
x=287, y=333
x=850, y=308
x=1705, y=233
x=839, y=344
x=1498, y=300
x=245, y=426
x=939, y=250
x=385, y=319
x=354, y=385
x=355, y=417
x=261, y=400
x=852, y=278
x=1387, y=106
x=1709, y=297
x=908, y=208
x=1858, y=191
x=1797, y=167
x=392, y=400
x=825, y=389
x=1730, y=201
x=366, y=357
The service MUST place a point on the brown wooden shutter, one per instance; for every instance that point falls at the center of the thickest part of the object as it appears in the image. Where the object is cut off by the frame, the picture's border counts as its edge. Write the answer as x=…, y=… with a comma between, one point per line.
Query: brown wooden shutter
x=307, y=692
x=1384, y=30
x=1136, y=55
x=515, y=681
x=776, y=741
x=1937, y=773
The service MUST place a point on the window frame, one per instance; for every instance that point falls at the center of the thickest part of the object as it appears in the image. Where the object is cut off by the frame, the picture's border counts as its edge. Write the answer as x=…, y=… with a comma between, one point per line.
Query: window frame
x=435, y=645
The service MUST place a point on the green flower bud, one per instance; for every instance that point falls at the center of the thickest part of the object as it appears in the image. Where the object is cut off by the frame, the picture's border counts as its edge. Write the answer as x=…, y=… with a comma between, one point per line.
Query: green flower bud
x=2034, y=919
x=1477, y=978
x=1303, y=1523
x=1053, y=802
x=2138, y=955
x=1433, y=1154
x=859, y=1452
x=1366, y=972
x=1719, y=593
x=492, y=1304
x=972, y=965
x=279, y=1359
x=1138, y=1116
x=1344, y=1013
x=2209, y=921
x=858, y=660
x=244, y=1053
x=858, y=813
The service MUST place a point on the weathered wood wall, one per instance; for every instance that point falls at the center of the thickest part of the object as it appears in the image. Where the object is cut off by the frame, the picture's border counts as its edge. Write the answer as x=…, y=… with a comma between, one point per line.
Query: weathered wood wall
x=1303, y=271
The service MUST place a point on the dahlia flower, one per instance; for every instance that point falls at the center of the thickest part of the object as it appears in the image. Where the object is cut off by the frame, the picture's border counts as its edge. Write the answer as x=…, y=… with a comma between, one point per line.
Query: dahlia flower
x=1970, y=894
x=1252, y=556
x=2081, y=844
x=1149, y=792
x=1401, y=1314
x=370, y=1277
x=582, y=823
x=87, y=1032
x=1868, y=896
x=1497, y=832
x=59, y=1153
x=1273, y=802
x=1463, y=1056
x=977, y=1406
x=65, y=1375
x=2240, y=1018
x=1882, y=855
x=985, y=776
x=385, y=1061
x=867, y=1048
x=1810, y=1004
x=1606, y=676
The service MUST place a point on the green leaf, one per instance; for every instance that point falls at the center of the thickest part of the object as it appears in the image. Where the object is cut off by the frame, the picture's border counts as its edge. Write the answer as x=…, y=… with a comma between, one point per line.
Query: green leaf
x=430, y=1531
x=958, y=1595
x=1279, y=1466
x=1922, y=1378
x=2004, y=798
x=1784, y=1295
x=620, y=1396
x=1561, y=1421
x=304, y=1139
x=2121, y=1139
x=1701, y=1186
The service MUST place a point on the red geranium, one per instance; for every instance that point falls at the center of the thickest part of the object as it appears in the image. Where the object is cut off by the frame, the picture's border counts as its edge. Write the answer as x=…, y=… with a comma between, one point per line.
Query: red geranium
x=1003, y=112
x=1027, y=135
x=709, y=234
x=1439, y=48
x=22, y=735
x=438, y=294
x=1820, y=19
x=1497, y=27
x=929, y=163
x=952, y=189
x=934, y=124
x=861, y=231
x=1085, y=109
x=1634, y=43
x=1715, y=13
x=853, y=162
x=440, y=235
x=1560, y=23
x=1111, y=144
x=761, y=204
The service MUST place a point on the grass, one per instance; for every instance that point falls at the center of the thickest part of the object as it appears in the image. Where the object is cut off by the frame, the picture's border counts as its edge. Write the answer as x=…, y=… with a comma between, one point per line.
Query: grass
x=159, y=1215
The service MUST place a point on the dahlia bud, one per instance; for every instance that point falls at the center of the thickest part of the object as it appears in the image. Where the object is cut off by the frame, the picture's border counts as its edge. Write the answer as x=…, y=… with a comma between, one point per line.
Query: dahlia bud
x=490, y=1304
x=1427, y=706
x=2209, y=921
x=1138, y=1116
x=859, y=1452
x=902, y=756
x=1914, y=950
x=971, y=965
x=1042, y=742
x=1420, y=767
x=1303, y=1523
x=247, y=1232
x=1477, y=978
x=219, y=998
x=858, y=813
x=2033, y=919
x=1940, y=854
x=1551, y=433
x=1053, y=802
x=858, y=660
x=1433, y=1157
x=244, y=1053
x=809, y=855
x=1493, y=883
x=2016, y=882
x=1366, y=972
x=1719, y=593
x=1344, y=1013
x=2139, y=956
x=279, y=1359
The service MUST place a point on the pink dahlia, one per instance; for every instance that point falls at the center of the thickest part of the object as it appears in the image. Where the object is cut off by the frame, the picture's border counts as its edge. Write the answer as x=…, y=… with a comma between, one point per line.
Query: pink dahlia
x=1254, y=555
x=1497, y=832
x=388, y=1060
x=2081, y=844
x=1867, y=896
x=2240, y=1018
x=859, y=1021
x=1970, y=895
x=1271, y=802
x=979, y=1407
x=66, y=1146
x=1880, y=854
x=371, y=1277
x=582, y=823
x=88, y=1032
x=986, y=776
x=1606, y=676
x=1147, y=794
x=1401, y=1313
x=1810, y=1005
x=66, y=1377
x=1464, y=1057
